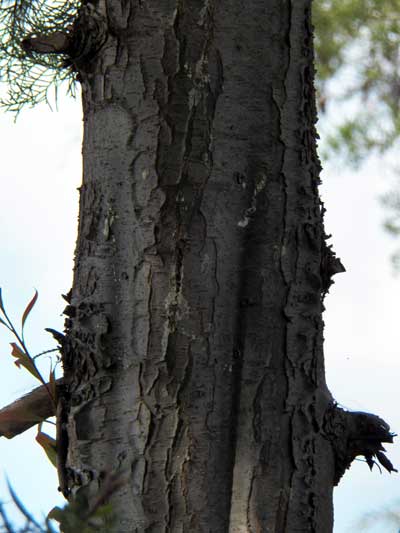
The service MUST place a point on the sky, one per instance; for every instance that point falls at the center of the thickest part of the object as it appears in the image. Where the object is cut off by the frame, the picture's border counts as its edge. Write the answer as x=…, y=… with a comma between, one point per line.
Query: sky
x=362, y=333
x=40, y=173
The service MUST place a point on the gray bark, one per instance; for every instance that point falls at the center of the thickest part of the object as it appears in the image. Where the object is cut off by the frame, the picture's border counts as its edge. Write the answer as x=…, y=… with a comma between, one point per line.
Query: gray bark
x=193, y=360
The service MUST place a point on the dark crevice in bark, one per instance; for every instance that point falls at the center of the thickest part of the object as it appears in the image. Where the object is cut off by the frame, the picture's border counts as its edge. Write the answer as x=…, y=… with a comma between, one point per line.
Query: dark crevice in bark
x=184, y=166
x=194, y=357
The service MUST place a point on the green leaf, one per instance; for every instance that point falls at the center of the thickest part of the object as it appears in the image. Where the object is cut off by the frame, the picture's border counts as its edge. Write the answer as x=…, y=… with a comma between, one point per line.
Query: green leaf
x=49, y=445
x=57, y=513
x=29, y=308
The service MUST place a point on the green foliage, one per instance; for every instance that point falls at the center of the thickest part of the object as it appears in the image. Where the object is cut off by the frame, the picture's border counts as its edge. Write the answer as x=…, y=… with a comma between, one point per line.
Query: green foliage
x=360, y=36
x=357, y=46
x=392, y=201
x=28, y=75
x=77, y=516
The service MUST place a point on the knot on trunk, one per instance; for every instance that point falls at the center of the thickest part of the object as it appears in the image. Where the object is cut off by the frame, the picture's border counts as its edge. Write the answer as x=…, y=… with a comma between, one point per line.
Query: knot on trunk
x=356, y=433
x=57, y=42
x=80, y=41
x=90, y=32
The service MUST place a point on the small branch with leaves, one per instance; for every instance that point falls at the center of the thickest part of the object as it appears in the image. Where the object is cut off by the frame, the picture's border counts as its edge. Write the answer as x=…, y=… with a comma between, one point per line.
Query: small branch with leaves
x=78, y=515
x=39, y=404
x=46, y=42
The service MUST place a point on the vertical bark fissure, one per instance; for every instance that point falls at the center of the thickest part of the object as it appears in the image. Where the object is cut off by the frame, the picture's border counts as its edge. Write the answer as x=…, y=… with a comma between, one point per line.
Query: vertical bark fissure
x=185, y=382
x=262, y=432
x=287, y=451
x=308, y=396
x=194, y=354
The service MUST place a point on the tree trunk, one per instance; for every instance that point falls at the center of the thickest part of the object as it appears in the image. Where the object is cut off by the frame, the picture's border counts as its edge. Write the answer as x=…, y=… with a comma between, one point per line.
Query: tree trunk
x=193, y=359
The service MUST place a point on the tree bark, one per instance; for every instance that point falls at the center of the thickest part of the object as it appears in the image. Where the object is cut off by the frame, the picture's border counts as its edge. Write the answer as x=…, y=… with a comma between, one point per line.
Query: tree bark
x=193, y=358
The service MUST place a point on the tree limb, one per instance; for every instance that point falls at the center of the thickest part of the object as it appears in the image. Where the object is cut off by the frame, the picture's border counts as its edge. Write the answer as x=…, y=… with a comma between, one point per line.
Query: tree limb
x=53, y=43
x=31, y=409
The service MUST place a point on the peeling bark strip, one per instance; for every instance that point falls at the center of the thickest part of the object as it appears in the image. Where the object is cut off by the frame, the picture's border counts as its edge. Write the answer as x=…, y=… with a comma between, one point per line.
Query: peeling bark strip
x=193, y=356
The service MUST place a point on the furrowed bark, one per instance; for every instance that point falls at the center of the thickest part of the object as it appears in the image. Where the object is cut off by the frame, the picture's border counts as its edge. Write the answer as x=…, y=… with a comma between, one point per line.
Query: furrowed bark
x=281, y=456
x=193, y=357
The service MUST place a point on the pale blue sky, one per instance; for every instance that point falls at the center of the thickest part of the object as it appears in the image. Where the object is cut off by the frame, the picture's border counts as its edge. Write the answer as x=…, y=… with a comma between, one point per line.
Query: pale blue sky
x=362, y=332
x=40, y=173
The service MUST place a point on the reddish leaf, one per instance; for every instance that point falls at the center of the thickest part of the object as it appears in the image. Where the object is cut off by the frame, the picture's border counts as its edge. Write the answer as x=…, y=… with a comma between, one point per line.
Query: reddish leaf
x=29, y=308
x=16, y=350
x=24, y=360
